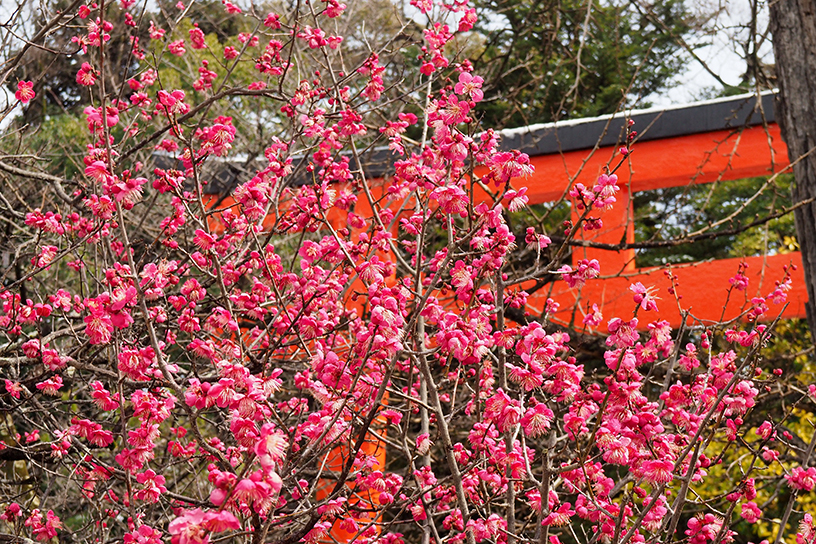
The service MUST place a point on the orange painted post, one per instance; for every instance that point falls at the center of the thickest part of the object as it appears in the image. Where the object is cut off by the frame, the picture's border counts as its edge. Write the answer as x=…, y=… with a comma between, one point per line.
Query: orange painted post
x=618, y=226
x=365, y=501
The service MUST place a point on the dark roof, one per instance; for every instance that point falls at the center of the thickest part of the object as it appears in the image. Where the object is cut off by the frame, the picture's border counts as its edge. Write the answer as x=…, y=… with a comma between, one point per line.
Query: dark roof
x=651, y=124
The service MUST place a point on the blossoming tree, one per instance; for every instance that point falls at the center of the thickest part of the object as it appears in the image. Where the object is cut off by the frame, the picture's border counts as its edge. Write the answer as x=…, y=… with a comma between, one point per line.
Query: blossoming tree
x=320, y=355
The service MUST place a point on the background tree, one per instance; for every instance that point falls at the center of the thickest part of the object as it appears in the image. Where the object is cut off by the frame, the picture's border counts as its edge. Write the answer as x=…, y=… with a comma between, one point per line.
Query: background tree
x=545, y=61
x=793, y=25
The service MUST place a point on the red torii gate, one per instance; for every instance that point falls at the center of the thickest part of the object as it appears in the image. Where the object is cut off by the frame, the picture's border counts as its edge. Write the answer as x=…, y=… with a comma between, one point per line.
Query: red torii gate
x=717, y=140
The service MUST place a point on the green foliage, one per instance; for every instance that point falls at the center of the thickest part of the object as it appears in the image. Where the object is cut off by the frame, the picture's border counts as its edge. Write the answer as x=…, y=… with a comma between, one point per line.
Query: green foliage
x=542, y=66
x=666, y=214
x=59, y=140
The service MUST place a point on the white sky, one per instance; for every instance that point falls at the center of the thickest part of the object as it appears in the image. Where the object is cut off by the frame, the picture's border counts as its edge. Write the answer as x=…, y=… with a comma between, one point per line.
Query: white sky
x=719, y=54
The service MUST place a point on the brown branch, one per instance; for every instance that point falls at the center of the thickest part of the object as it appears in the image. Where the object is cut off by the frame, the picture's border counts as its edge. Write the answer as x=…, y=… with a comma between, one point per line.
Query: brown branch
x=234, y=91
x=42, y=176
x=9, y=65
x=686, y=239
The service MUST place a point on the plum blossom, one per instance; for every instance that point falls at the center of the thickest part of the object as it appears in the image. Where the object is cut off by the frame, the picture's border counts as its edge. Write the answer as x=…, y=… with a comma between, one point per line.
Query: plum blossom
x=288, y=356
x=195, y=526
x=86, y=75
x=593, y=317
x=177, y=48
x=43, y=530
x=197, y=38
x=587, y=269
x=806, y=533
x=423, y=444
x=740, y=280
x=470, y=85
x=25, y=91
x=143, y=535
x=518, y=199
x=751, y=512
x=605, y=190
x=705, y=528
x=802, y=479
x=644, y=296
x=657, y=471
x=536, y=420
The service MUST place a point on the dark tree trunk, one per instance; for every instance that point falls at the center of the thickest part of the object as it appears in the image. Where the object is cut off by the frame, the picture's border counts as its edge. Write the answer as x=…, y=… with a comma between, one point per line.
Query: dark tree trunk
x=793, y=24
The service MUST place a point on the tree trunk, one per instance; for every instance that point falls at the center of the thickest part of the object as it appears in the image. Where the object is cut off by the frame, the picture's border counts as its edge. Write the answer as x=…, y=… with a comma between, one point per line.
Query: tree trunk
x=793, y=24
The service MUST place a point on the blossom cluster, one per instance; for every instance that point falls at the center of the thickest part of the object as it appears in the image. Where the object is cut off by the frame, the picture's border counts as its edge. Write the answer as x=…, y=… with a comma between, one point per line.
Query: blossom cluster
x=320, y=353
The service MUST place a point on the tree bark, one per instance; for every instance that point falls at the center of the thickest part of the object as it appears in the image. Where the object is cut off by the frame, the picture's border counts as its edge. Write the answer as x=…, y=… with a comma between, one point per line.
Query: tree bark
x=793, y=24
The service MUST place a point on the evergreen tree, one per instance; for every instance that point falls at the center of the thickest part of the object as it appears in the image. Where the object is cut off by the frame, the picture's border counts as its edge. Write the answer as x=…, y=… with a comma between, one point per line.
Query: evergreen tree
x=556, y=59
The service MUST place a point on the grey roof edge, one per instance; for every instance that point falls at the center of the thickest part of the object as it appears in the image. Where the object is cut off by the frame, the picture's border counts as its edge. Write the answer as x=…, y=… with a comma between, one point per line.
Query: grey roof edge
x=658, y=123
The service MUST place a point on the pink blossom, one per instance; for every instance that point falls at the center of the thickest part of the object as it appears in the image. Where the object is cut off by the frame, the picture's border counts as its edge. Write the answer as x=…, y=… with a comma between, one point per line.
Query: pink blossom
x=12, y=512
x=644, y=297
x=272, y=21
x=740, y=280
x=155, y=32
x=593, y=318
x=50, y=386
x=334, y=8
x=197, y=38
x=605, y=190
x=271, y=446
x=518, y=199
x=470, y=85
x=802, y=479
x=25, y=91
x=706, y=528
x=43, y=531
x=467, y=21
x=423, y=444
x=103, y=398
x=587, y=269
x=559, y=517
x=314, y=37
x=46, y=257
x=751, y=512
x=806, y=532
x=455, y=112
x=657, y=472
x=13, y=388
x=537, y=419
x=189, y=528
x=502, y=410
x=153, y=486
x=98, y=326
x=780, y=292
x=86, y=75
x=623, y=334
x=176, y=48
x=174, y=101
x=452, y=199
x=143, y=535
